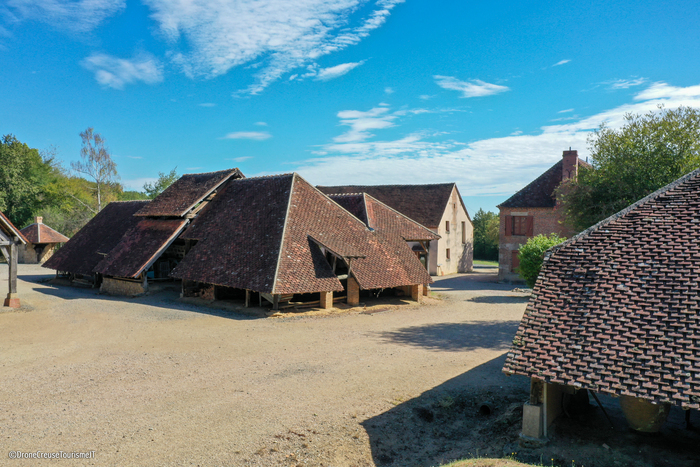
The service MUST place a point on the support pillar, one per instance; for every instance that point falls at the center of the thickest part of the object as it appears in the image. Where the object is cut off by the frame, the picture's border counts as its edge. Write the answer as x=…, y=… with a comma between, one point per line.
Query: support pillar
x=416, y=292
x=326, y=301
x=12, y=299
x=425, y=290
x=247, y=298
x=353, y=291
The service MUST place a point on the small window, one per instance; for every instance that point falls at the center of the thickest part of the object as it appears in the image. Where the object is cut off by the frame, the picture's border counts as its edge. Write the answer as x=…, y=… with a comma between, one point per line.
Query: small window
x=447, y=226
x=519, y=225
x=464, y=233
x=447, y=254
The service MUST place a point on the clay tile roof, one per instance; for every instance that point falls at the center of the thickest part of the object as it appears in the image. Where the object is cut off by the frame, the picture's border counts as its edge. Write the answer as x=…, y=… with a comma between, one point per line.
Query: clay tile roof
x=263, y=234
x=42, y=233
x=616, y=308
x=140, y=247
x=188, y=191
x=424, y=204
x=98, y=237
x=10, y=230
x=540, y=192
x=378, y=216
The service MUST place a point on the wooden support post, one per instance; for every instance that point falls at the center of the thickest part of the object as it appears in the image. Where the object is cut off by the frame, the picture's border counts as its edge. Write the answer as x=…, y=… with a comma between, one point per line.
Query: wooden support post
x=425, y=290
x=353, y=290
x=247, y=298
x=326, y=301
x=12, y=299
x=276, y=302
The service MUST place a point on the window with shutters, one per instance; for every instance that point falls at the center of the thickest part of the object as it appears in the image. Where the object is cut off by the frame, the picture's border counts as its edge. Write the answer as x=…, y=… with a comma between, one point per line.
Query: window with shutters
x=519, y=225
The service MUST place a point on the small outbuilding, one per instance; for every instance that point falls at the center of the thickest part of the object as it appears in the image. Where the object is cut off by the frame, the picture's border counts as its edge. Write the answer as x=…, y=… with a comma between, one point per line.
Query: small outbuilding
x=42, y=242
x=616, y=310
x=11, y=239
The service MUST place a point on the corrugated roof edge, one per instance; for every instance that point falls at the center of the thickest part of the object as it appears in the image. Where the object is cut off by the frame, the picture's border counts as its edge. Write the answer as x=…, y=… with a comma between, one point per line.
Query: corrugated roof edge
x=623, y=212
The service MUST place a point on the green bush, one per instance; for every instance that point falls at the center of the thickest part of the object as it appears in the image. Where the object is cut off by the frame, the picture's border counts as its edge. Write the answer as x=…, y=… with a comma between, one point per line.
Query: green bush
x=531, y=256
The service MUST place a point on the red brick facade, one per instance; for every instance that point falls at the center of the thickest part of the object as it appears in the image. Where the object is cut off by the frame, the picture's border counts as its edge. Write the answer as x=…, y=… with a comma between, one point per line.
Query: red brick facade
x=532, y=211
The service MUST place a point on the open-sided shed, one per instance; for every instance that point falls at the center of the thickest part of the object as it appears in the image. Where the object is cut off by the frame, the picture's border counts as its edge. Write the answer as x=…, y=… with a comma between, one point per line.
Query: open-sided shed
x=10, y=239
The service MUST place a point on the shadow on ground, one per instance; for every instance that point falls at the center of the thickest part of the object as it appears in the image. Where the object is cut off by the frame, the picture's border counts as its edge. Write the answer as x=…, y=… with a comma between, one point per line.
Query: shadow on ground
x=479, y=414
x=469, y=335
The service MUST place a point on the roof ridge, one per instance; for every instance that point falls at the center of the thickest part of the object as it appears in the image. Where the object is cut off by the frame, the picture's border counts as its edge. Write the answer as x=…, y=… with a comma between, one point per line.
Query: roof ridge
x=286, y=174
x=284, y=232
x=625, y=211
x=366, y=195
x=210, y=173
x=390, y=185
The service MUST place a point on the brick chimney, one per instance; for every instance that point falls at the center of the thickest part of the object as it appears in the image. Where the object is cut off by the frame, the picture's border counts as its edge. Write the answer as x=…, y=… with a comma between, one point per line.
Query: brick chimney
x=39, y=220
x=569, y=167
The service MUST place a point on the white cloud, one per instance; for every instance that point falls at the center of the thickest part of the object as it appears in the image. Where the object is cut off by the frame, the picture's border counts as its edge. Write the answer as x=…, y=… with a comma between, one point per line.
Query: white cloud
x=472, y=88
x=388, y=90
x=561, y=62
x=361, y=122
x=254, y=135
x=223, y=34
x=565, y=111
x=425, y=97
x=116, y=72
x=77, y=16
x=134, y=157
x=241, y=159
x=625, y=83
x=207, y=104
x=494, y=166
x=261, y=123
x=325, y=74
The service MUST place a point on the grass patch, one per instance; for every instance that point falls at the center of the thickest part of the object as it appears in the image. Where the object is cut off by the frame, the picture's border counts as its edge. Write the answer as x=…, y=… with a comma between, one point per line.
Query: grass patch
x=488, y=463
x=483, y=262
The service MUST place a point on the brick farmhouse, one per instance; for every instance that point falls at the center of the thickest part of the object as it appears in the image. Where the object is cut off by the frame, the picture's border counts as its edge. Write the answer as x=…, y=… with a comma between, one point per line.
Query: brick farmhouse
x=533, y=211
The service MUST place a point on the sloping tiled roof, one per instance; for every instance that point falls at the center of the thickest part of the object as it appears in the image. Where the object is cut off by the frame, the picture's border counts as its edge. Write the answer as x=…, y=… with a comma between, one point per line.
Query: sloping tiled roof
x=188, y=191
x=98, y=237
x=42, y=233
x=263, y=234
x=140, y=247
x=616, y=308
x=540, y=192
x=378, y=216
x=424, y=204
x=10, y=230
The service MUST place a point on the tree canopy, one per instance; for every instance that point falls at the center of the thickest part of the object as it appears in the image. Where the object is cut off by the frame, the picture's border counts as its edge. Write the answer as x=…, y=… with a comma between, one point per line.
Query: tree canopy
x=486, y=225
x=164, y=181
x=97, y=162
x=646, y=153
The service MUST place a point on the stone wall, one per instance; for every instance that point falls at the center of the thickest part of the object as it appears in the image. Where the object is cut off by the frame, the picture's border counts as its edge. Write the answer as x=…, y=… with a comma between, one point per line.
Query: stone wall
x=115, y=286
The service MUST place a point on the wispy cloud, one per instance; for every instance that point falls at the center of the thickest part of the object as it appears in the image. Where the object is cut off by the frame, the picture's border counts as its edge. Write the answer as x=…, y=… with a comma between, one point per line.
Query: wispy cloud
x=261, y=123
x=207, y=104
x=388, y=90
x=361, y=123
x=625, y=83
x=494, y=166
x=472, y=88
x=240, y=159
x=565, y=111
x=77, y=16
x=254, y=135
x=561, y=62
x=134, y=157
x=282, y=35
x=425, y=97
x=117, y=72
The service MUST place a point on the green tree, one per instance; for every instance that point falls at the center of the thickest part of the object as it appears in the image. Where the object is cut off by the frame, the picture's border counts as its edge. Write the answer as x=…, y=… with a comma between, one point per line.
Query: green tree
x=531, y=256
x=97, y=162
x=486, y=225
x=164, y=181
x=645, y=154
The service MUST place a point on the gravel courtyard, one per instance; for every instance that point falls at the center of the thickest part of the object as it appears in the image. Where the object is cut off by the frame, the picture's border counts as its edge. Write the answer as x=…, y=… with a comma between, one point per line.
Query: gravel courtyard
x=156, y=381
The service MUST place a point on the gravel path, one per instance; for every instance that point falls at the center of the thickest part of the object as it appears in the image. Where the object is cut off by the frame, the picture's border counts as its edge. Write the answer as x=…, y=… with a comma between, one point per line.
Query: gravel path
x=155, y=381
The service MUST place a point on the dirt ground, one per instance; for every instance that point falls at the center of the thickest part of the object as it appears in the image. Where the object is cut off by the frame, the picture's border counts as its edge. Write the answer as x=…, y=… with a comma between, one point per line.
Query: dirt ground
x=158, y=381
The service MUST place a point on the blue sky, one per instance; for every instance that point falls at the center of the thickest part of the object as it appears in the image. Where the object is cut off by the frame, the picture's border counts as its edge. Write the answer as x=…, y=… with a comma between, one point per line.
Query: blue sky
x=485, y=94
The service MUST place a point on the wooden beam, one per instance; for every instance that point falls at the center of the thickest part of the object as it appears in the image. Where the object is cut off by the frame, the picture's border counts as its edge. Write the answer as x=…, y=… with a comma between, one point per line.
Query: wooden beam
x=12, y=299
x=247, y=298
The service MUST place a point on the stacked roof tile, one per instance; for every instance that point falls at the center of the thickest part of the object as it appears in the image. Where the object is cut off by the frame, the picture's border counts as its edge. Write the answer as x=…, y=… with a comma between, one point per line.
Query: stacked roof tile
x=540, y=193
x=96, y=239
x=616, y=308
x=188, y=191
x=378, y=216
x=266, y=234
x=41, y=233
x=424, y=204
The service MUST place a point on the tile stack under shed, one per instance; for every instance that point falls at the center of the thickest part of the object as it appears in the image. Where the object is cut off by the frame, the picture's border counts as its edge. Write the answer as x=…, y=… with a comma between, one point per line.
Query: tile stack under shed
x=616, y=309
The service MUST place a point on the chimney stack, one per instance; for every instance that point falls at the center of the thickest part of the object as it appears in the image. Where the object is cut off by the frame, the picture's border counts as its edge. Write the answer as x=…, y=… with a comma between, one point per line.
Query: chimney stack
x=569, y=167
x=39, y=220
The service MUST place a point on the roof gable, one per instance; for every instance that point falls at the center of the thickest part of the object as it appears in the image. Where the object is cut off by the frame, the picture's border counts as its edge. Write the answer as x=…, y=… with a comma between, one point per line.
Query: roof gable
x=10, y=230
x=186, y=193
x=423, y=203
x=98, y=237
x=42, y=233
x=615, y=308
